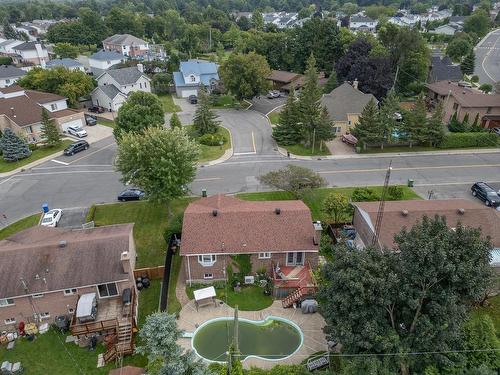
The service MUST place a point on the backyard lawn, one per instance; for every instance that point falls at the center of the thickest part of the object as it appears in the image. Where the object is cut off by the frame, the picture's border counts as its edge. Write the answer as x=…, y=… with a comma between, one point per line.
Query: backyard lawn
x=39, y=153
x=106, y=122
x=493, y=310
x=168, y=103
x=173, y=304
x=27, y=222
x=149, y=301
x=226, y=101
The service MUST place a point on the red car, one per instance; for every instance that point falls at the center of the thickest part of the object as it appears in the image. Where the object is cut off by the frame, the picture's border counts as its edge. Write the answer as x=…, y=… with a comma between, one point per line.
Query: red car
x=349, y=139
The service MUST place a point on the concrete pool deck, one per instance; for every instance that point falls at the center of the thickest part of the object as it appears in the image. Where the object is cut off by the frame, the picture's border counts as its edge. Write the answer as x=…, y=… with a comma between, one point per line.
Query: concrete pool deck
x=310, y=324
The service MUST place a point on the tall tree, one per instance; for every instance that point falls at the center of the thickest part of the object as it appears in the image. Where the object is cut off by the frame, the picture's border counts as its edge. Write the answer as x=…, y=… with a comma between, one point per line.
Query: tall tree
x=66, y=50
x=288, y=131
x=13, y=147
x=140, y=111
x=204, y=120
x=369, y=128
x=458, y=48
x=478, y=23
x=332, y=82
x=389, y=115
x=245, y=75
x=481, y=339
x=336, y=207
x=468, y=63
x=175, y=122
x=415, y=123
x=49, y=130
x=257, y=20
x=160, y=161
x=434, y=130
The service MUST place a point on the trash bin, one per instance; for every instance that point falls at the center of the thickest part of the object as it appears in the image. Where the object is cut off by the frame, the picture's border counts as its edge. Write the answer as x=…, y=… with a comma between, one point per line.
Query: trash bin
x=45, y=207
x=410, y=182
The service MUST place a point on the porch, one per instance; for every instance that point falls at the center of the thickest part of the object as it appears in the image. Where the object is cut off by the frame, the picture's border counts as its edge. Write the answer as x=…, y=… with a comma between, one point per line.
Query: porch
x=291, y=283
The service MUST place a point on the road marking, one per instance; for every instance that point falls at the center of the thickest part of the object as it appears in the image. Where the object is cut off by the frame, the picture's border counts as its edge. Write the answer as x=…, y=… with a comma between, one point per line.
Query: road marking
x=253, y=143
x=92, y=153
x=74, y=166
x=56, y=172
x=59, y=162
x=7, y=179
x=207, y=179
x=411, y=168
x=486, y=56
x=244, y=153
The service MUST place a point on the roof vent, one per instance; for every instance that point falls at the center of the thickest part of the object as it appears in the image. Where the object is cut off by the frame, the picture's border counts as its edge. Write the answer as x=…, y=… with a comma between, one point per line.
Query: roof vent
x=62, y=243
x=461, y=211
x=404, y=212
x=277, y=211
x=215, y=212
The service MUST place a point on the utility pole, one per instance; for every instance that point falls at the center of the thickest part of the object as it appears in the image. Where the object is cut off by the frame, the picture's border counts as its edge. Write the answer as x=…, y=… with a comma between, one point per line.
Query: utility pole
x=380, y=213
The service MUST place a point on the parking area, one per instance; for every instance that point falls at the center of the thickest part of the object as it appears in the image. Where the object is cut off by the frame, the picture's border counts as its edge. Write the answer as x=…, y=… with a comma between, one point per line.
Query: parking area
x=73, y=218
x=95, y=133
x=264, y=105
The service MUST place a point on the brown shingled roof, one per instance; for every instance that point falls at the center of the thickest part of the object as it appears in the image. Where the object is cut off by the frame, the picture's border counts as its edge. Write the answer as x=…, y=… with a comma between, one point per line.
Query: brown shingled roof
x=283, y=76
x=246, y=227
x=90, y=256
x=467, y=97
x=475, y=215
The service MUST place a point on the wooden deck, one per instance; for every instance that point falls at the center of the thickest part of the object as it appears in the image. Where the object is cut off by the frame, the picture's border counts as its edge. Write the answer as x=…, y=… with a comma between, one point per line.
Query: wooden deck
x=294, y=277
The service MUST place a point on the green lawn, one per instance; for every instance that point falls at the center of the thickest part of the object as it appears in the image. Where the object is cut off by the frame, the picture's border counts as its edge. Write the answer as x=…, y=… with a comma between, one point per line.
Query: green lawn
x=35, y=155
x=168, y=103
x=20, y=225
x=302, y=150
x=105, y=122
x=226, y=101
x=149, y=301
x=212, y=152
x=49, y=354
x=150, y=220
x=251, y=298
x=315, y=198
x=173, y=304
x=274, y=117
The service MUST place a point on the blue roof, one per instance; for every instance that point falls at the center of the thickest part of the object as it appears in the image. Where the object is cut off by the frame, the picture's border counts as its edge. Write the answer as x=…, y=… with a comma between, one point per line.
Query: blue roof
x=107, y=55
x=206, y=70
x=67, y=63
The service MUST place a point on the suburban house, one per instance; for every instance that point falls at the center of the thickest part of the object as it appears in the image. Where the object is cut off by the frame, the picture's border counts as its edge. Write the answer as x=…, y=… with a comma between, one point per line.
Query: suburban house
x=33, y=53
x=442, y=69
x=7, y=46
x=45, y=271
x=126, y=44
x=362, y=23
x=29, y=30
x=404, y=214
x=103, y=60
x=345, y=105
x=463, y=100
x=278, y=236
x=70, y=64
x=113, y=86
x=21, y=111
x=9, y=75
x=194, y=73
x=448, y=29
x=288, y=81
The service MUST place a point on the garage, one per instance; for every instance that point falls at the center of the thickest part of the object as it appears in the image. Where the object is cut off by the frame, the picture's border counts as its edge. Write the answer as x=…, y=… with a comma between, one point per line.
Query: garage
x=186, y=93
x=66, y=125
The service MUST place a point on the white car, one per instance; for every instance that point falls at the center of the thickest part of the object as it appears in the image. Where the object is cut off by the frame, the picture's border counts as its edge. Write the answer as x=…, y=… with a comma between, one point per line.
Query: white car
x=78, y=131
x=51, y=218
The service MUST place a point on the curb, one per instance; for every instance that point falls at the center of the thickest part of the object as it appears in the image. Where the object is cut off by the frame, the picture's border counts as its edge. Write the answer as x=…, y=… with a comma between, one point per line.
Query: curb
x=31, y=165
x=227, y=154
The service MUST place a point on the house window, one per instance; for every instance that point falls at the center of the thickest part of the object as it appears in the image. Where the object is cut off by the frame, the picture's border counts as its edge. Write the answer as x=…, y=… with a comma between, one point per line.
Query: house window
x=337, y=129
x=140, y=85
x=145, y=84
x=10, y=321
x=294, y=259
x=208, y=276
x=44, y=315
x=69, y=292
x=6, y=302
x=193, y=78
x=207, y=260
x=107, y=290
x=349, y=122
x=488, y=110
x=264, y=255
x=53, y=107
x=39, y=295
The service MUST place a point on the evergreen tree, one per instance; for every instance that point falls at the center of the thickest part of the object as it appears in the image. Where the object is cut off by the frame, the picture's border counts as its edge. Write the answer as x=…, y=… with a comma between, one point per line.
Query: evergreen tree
x=434, y=129
x=323, y=130
x=415, y=124
x=288, y=131
x=49, y=130
x=369, y=129
x=13, y=147
x=204, y=118
x=175, y=122
x=388, y=118
x=466, y=120
x=8, y=31
x=332, y=82
x=468, y=63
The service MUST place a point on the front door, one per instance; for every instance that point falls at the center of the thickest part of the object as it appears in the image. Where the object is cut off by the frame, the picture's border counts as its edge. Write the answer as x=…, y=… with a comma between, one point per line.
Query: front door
x=295, y=259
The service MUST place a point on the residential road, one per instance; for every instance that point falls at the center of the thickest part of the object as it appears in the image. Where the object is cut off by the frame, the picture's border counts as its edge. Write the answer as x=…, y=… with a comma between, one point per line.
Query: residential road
x=488, y=58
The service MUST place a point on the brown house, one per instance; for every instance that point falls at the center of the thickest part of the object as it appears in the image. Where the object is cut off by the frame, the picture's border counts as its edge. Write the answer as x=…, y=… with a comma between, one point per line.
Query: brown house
x=288, y=81
x=464, y=100
x=279, y=236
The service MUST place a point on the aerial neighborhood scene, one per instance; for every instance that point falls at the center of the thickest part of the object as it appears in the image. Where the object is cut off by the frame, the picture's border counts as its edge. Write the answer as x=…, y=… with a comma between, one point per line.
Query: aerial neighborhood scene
x=249, y=187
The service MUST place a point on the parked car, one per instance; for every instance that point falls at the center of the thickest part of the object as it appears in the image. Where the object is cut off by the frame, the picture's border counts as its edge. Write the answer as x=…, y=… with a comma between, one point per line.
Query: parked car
x=77, y=131
x=193, y=99
x=96, y=109
x=273, y=94
x=349, y=139
x=496, y=131
x=131, y=195
x=486, y=193
x=51, y=218
x=90, y=120
x=76, y=147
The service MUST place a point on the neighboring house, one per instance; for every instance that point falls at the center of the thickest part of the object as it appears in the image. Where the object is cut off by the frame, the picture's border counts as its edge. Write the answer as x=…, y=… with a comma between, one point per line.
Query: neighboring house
x=30, y=31
x=442, y=69
x=462, y=101
x=21, y=111
x=113, y=86
x=278, y=236
x=362, y=23
x=9, y=75
x=33, y=53
x=7, y=46
x=282, y=20
x=404, y=214
x=280, y=78
x=408, y=20
x=70, y=64
x=448, y=29
x=194, y=73
x=126, y=44
x=103, y=60
x=345, y=105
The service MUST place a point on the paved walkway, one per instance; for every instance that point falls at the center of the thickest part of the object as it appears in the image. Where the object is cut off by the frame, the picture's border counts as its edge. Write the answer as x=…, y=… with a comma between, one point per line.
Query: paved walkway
x=310, y=324
x=180, y=289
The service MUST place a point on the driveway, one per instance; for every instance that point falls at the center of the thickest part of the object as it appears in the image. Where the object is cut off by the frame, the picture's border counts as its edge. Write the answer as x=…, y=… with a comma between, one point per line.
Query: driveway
x=337, y=147
x=95, y=133
x=264, y=105
x=187, y=111
x=73, y=218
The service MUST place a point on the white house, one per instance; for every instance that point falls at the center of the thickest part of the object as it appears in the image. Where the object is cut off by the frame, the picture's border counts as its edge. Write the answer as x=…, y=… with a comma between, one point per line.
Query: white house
x=67, y=63
x=31, y=53
x=448, y=29
x=114, y=86
x=126, y=44
x=192, y=74
x=9, y=75
x=7, y=46
x=362, y=23
x=105, y=59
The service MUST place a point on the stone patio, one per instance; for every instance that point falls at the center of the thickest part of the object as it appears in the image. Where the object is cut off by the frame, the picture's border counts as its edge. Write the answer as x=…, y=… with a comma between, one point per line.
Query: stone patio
x=310, y=324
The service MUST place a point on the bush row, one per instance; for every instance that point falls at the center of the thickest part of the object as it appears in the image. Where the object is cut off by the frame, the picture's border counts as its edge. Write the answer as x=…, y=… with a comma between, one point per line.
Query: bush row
x=464, y=140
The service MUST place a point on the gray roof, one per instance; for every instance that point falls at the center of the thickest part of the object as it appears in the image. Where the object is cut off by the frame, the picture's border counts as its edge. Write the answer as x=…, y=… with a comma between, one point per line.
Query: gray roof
x=125, y=76
x=28, y=46
x=343, y=100
x=109, y=90
x=360, y=19
x=123, y=39
x=9, y=71
x=106, y=55
x=7, y=42
x=67, y=63
x=442, y=69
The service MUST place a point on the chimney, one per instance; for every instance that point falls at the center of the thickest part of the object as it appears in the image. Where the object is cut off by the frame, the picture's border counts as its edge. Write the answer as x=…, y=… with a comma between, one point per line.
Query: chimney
x=125, y=260
x=355, y=84
x=140, y=67
x=277, y=211
x=318, y=229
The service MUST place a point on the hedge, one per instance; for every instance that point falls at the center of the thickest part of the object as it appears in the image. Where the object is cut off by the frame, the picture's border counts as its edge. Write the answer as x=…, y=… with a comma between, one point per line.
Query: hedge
x=464, y=140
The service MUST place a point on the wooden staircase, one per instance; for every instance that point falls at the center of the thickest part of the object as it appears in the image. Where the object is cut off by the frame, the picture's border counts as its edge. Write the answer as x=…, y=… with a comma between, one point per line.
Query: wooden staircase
x=293, y=297
x=123, y=341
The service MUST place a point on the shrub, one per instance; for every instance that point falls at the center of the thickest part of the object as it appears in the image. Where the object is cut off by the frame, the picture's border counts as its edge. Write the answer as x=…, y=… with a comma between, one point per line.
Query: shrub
x=91, y=214
x=32, y=146
x=464, y=140
x=364, y=194
x=395, y=193
x=5, y=60
x=474, y=79
x=212, y=139
x=175, y=227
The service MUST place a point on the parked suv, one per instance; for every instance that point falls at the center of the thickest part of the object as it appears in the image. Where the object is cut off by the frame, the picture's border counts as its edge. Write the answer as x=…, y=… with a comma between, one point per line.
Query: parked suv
x=193, y=99
x=486, y=193
x=90, y=120
x=78, y=131
x=76, y=147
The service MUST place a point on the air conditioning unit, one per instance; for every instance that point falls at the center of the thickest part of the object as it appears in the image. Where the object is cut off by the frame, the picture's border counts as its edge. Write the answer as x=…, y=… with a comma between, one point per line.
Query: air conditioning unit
x=249, y=279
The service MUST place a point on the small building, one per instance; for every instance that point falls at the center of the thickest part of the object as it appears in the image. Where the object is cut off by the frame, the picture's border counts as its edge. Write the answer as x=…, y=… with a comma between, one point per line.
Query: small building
x=362, y=23
x=70, y=64
x=33, y=53
x=448, y=29
x=442, y=69
x=345, y=105
x=194, y=73
x=9, y=75
x=126, y=44
x=103, y=60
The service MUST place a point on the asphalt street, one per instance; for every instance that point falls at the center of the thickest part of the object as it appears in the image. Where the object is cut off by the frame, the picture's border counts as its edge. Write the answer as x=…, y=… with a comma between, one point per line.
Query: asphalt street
x=487, y=66
x=88, y=177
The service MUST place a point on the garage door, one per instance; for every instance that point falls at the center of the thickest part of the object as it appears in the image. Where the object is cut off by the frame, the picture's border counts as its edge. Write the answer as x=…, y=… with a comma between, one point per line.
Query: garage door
x=187, y=93
x=71, y=123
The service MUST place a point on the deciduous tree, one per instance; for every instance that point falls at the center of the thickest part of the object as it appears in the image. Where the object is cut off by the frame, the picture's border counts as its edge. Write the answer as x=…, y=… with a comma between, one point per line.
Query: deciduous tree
x=66, y=50
x=478, y=23
x=49, y=130
x=335, y=207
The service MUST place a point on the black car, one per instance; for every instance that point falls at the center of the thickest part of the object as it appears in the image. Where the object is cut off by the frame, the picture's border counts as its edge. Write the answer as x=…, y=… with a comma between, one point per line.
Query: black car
x=76, y=147
x=486, y=193
x=131, y=195
x=96, y=109
x=193, y=99
x=90, y=120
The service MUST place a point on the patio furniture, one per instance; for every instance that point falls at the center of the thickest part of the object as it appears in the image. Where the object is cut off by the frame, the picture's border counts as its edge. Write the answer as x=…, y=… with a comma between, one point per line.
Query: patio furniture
x=317, y=363
x=204, y=296
x=309, y=306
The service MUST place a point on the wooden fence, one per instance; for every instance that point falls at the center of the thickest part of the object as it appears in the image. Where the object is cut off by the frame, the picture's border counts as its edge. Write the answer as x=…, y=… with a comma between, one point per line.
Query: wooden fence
x=153, y=273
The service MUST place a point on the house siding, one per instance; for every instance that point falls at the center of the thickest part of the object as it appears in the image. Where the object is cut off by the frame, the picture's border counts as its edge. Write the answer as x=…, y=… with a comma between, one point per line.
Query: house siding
x=362, y=227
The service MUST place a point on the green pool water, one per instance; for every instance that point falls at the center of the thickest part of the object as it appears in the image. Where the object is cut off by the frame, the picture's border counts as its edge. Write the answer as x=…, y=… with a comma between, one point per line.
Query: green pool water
x=269, y=339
